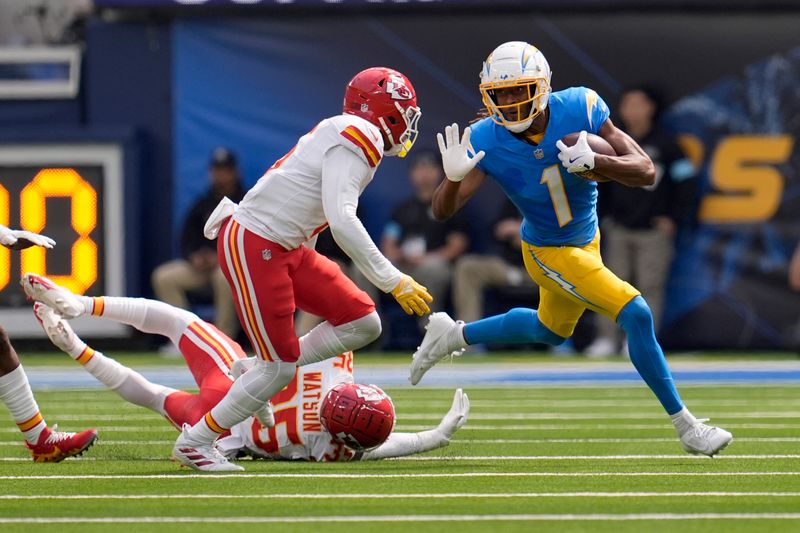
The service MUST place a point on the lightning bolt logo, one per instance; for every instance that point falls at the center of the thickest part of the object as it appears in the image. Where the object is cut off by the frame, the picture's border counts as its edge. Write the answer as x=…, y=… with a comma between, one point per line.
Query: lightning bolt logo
x=591, y=101
x=556, y=276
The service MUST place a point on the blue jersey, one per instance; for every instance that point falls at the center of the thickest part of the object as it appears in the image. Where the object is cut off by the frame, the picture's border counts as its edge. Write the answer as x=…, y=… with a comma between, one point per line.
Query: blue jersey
x=559, y=208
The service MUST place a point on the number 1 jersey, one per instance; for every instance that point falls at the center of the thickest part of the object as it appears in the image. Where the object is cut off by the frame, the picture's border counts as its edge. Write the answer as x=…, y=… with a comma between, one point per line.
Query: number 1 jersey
x=559, y=208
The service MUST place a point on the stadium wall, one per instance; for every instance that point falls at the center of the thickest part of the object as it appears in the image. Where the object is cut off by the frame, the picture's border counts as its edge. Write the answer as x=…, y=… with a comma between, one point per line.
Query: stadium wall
x=256, y=83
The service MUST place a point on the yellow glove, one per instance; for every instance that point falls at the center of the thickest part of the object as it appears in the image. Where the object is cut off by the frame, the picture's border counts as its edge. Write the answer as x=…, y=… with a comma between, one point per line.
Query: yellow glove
x=412, y=297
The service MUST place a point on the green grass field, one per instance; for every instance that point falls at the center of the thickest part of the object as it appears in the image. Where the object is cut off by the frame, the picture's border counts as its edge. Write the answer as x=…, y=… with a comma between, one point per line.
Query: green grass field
x=576, y=458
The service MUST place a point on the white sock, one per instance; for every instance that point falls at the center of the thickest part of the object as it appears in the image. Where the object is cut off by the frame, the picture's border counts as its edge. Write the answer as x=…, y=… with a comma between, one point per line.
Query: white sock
x=126, y=382
x=247, y=394
x=683, y=421
x=327, y=340
x=457, y=336
x=148, y=316
x=15, y=392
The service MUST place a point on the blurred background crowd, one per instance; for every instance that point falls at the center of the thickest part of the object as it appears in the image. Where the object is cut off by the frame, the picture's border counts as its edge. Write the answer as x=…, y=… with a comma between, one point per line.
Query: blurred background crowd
x=166, y=106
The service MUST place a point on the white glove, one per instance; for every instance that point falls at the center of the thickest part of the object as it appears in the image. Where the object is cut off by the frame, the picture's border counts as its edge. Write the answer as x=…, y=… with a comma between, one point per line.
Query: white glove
x=576, y=158
x=456, y=416
x=455, y=157
x=9, y=238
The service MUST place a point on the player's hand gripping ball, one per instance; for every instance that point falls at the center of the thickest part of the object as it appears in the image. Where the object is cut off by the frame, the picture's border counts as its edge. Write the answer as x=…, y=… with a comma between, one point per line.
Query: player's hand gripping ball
x=597, y=144
x=360, y=416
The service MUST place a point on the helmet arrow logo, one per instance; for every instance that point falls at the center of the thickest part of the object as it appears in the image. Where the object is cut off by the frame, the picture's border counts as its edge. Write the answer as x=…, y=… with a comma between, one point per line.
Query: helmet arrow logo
x=397, y=88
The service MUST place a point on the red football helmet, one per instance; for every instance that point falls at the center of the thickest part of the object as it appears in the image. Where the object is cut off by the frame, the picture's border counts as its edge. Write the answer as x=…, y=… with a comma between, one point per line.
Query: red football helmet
x=387, y=99
x=360, y=416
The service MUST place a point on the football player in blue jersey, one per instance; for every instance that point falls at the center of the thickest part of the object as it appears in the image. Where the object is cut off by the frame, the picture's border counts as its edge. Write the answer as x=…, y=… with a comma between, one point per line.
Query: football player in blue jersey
x=520, y=146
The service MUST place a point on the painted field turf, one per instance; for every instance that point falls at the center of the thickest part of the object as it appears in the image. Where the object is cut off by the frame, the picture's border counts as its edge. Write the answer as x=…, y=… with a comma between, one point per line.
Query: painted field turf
x=542, y=458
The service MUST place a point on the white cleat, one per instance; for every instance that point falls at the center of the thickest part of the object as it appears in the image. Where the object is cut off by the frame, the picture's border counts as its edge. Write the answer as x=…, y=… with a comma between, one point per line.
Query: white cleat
x=57, y=329
x=442, y=338
x=703, y=439
x=201, y=456
x=43, y=290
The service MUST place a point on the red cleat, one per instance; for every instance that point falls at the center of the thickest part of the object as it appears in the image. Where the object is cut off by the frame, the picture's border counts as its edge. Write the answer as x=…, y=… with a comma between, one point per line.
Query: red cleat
x=55, y=446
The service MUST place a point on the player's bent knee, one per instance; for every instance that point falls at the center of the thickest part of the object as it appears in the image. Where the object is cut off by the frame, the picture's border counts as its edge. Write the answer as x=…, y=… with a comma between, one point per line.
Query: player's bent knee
x=636, y=313
x=370, y=326
x=360, y=332
x=269, y=371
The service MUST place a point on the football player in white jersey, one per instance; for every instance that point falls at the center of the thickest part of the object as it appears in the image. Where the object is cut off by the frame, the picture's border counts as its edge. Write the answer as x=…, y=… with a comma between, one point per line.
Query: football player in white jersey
x=291, y=430
x=265, y=249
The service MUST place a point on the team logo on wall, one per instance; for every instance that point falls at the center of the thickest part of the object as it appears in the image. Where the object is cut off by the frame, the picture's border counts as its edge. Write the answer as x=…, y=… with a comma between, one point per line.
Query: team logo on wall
x=397, y=87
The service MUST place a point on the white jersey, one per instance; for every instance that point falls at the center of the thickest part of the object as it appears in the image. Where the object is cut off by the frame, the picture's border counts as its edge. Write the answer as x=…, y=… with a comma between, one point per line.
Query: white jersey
x=285, y=206
x=317, y=184
x=298, y=433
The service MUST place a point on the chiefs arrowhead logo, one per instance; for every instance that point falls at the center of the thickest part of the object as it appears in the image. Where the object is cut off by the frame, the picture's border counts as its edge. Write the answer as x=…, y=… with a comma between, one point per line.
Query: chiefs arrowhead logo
x=398, y=89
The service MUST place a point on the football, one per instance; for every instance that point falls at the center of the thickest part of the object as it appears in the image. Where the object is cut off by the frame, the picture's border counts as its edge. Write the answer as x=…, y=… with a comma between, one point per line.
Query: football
x=360, y=416
x=598, y=146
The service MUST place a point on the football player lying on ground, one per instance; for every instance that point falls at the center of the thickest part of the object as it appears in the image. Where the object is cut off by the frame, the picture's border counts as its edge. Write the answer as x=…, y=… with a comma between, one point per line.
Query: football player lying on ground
x=292, y=429
x=45, y=444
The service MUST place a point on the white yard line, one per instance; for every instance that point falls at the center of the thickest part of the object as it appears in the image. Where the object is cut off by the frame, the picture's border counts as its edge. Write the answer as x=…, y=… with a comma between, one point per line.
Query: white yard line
x=635, y=440
x=594, y=441
x=586, y=416
x=473, y=427
x=590, y=425
x=402, y=518
x=449, y=458
x=587, y=426
x=583, y=457
x=498, y=416
x=371, y=496
x=398, y=475
x=119, y=442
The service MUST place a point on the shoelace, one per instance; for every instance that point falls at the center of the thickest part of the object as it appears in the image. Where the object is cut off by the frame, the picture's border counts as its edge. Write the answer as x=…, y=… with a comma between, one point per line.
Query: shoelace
x=456, y=353
x=701, y=429
x=58, y=436
x=218, y=455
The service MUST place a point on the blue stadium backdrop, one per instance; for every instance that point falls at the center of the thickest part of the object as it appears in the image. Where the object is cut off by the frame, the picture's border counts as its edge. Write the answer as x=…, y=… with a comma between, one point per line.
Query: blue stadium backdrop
x=173, y=87
x=257, y=85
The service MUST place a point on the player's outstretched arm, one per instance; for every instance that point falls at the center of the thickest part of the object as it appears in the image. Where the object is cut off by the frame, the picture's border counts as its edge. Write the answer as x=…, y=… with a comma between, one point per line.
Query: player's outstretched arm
x=342, y=175
x=463, y=179
x=402, y=444
x=21, y=239
x=632, y=166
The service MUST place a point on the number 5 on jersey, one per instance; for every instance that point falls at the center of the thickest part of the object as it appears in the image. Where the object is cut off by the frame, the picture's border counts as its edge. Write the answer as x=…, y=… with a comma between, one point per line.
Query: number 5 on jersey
x=555, y=184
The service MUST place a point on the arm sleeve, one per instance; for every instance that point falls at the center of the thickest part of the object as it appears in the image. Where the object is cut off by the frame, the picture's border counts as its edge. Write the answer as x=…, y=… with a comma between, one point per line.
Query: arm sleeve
x=402, y=444
x=342, y=174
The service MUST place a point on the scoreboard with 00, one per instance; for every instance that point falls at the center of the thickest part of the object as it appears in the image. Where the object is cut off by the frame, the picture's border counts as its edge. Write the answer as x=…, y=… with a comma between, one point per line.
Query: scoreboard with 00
x=72, y=222
x=73, y=194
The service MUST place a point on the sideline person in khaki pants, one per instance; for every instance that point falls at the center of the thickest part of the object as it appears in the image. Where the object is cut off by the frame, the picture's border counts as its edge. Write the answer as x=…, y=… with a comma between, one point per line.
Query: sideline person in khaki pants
x=474, y=273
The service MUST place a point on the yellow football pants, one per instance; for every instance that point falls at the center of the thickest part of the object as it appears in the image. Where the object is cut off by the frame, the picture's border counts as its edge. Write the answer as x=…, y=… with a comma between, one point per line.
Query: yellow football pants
x=572, y=279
